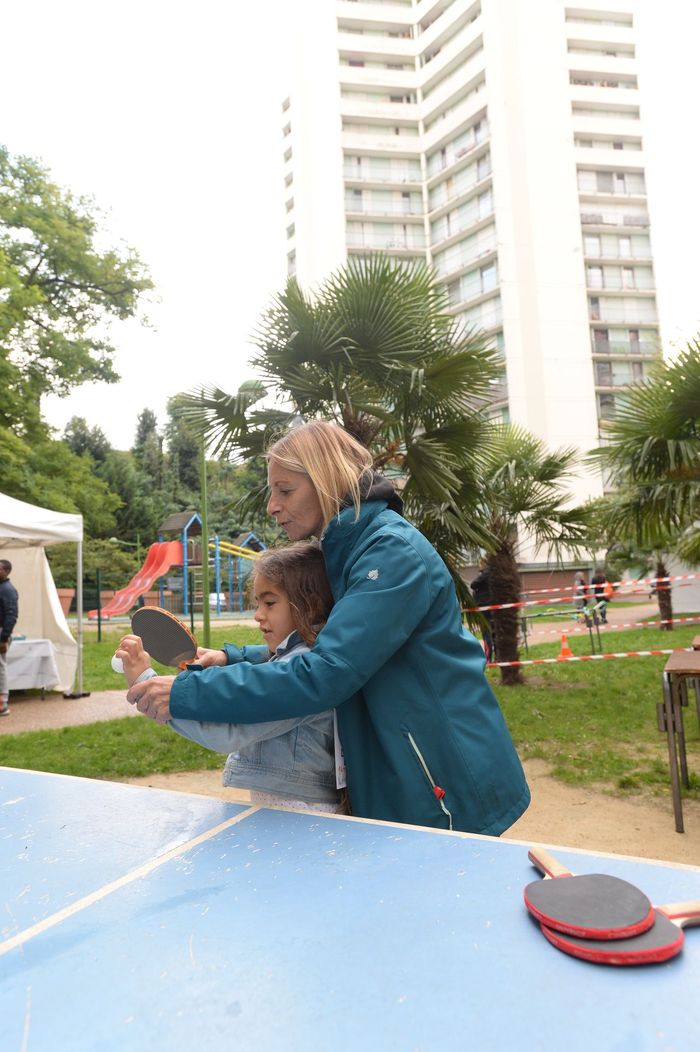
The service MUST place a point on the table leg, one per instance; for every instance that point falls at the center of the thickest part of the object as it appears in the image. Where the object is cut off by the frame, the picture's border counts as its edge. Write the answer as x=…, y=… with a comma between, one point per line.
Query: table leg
x=667, y=723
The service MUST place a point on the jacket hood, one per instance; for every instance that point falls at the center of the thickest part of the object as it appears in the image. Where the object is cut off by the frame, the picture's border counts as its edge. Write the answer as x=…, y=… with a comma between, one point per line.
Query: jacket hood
x=377, y=487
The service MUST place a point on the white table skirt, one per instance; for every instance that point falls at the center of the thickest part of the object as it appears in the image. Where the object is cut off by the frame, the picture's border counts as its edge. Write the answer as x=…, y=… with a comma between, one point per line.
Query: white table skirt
x=31, y=663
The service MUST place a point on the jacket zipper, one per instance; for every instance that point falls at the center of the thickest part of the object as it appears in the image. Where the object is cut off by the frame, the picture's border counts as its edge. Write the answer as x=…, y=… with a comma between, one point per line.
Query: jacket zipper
x=439, y=793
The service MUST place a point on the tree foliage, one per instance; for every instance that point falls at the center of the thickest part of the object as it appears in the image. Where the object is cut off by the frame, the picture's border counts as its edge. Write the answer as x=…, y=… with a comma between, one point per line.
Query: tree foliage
x=376, y=351
x=522, y=496
x=58, y=292
x=652, y=455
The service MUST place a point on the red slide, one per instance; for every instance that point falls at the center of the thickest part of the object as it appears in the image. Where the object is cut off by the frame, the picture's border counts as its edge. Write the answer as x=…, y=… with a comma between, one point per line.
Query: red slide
x=161, y=556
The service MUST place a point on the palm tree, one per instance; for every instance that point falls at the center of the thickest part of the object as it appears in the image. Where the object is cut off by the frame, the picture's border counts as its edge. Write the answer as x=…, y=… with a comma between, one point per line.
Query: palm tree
x=523, y=497
x=652, y=455
x=376, y=351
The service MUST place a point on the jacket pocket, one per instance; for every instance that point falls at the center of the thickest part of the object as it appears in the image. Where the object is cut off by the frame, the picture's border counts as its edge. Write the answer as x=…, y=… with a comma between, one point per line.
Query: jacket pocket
x=438, y=791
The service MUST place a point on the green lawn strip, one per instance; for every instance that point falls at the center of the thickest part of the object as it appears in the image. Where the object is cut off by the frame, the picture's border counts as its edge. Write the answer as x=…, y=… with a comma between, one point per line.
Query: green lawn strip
x=114, y=749
x=594, y=722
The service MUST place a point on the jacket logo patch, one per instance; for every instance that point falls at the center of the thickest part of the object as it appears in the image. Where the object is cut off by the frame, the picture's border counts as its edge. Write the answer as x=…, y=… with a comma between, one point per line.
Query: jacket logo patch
x=373, y=575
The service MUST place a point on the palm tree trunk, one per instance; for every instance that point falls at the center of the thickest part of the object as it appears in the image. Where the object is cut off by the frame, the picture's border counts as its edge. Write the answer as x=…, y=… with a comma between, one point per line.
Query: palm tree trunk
x=504, y=580
x=663, y=596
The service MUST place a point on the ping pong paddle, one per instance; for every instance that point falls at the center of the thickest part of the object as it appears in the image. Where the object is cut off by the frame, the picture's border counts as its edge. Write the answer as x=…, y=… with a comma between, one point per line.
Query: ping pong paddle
x=164, y=636
x=588, y=905
x=662, y=941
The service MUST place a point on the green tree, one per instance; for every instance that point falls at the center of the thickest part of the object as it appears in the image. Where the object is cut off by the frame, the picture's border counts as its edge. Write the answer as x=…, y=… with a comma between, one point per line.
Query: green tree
x=652, y=456
x=184, y=448
x=58, y=292
x=376, y=351
x=82, y=439
x=49, y=474
x=148, y=448
x=523, y=497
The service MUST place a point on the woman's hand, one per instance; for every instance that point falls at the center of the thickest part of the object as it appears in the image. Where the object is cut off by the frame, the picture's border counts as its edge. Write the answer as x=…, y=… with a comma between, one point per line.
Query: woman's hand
x=209, y=658
x=152, y=698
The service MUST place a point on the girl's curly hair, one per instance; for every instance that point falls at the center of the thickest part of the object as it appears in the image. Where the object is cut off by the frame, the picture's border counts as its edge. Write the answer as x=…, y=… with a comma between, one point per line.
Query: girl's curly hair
x=300, y=572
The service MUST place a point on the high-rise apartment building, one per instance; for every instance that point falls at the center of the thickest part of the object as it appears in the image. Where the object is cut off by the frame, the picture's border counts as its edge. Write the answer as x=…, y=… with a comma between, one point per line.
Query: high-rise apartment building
x=502, y=142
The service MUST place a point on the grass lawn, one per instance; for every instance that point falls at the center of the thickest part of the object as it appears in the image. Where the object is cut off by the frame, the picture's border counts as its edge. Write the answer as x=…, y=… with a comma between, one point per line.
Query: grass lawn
x=594, y=722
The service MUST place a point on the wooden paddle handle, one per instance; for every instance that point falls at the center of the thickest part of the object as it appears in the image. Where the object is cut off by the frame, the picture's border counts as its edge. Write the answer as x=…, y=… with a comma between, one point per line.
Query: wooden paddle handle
x=547, y=863
x=685, y=914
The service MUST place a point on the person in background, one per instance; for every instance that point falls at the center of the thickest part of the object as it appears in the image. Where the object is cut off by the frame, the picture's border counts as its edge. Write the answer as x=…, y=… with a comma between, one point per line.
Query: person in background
x=424, y=739
x=294, y=762
x=580, y=590
x=599, y=581
x=481, y=590
x=9, y=608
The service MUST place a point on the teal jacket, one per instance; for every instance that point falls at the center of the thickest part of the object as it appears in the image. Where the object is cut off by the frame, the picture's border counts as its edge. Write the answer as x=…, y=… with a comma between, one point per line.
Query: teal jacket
x=424, y=739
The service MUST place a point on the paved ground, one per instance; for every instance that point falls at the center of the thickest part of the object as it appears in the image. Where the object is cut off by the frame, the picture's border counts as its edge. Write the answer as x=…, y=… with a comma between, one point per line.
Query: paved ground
x=31, y=713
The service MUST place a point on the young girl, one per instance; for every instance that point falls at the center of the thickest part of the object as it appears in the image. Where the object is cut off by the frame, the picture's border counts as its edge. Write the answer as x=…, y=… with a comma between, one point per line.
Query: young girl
x=292, y=762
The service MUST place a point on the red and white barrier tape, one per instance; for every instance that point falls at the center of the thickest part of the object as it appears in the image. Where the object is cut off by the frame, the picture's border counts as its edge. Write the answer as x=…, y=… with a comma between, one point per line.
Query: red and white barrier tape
x=615, y=584
x=627, y=624
x=549, y=602
x=584, y=657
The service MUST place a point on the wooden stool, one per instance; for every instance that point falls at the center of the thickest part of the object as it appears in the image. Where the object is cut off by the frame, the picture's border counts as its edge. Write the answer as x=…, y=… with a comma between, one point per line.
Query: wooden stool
x=682, y=666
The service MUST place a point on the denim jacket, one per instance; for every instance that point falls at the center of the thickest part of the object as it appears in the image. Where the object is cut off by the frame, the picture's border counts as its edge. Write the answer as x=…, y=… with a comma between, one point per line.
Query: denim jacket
x=294, y=758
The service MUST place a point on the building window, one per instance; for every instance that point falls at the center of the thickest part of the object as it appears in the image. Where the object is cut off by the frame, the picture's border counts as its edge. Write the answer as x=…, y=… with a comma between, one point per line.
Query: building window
x=595, y=277
x=635, y=347
x=488, y=277
x=628, y=280
x=604, y=182
x=591, y=244
x=594, y=308
x=356, y=62
x=602, y=341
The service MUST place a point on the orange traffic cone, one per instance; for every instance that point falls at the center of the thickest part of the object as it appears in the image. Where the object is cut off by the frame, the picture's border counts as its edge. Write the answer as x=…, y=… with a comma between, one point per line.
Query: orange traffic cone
x=565, y=651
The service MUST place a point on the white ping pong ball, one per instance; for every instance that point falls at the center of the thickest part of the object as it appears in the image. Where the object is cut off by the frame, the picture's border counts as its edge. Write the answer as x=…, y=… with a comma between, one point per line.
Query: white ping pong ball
x=117, y=664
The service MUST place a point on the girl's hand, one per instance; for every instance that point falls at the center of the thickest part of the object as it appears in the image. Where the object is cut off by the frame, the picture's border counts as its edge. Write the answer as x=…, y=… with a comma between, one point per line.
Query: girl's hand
x=133, y=657
x=209, y=658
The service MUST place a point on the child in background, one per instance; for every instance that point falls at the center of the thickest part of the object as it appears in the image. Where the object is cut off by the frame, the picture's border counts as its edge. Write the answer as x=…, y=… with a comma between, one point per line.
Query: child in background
x=294, y=762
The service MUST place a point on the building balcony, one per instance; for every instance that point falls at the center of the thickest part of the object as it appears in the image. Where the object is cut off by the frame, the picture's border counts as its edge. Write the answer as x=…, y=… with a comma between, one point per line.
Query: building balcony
x=622, y=315
x=384, y=243
x=602, y=218
x=376, y=48
x=452, y=269
x=443, y=131
x=613, y=349
x=381, y=176
x=412, y=213
x=462, y=157
x=396, y=80
x=459, y=196
x=394, y=145
x=380, y=113
x=456, y=235
x=611, y=284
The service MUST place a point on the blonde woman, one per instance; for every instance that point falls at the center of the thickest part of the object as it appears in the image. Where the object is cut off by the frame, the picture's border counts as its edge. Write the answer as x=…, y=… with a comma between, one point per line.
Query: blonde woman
x=424, y=739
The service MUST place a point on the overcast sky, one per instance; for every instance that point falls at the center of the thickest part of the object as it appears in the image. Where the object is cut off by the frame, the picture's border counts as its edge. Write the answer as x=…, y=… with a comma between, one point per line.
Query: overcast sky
x=168, y=113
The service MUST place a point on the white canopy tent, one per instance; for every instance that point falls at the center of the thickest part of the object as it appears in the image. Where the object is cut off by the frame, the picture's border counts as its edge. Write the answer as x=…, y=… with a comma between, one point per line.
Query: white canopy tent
x=25, y=530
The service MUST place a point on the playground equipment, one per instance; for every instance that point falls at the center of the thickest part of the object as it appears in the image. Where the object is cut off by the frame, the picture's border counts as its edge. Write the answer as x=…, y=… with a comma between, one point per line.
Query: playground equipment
x=229, y=557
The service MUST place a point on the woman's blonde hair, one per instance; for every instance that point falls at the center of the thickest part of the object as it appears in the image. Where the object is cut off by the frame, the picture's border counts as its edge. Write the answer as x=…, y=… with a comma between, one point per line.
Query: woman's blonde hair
x=299, y=571
x=334, y=461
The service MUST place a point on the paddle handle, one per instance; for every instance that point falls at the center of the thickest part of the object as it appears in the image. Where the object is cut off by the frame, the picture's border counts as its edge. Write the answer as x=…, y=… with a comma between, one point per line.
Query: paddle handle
x=685, y=914
x=546, y=863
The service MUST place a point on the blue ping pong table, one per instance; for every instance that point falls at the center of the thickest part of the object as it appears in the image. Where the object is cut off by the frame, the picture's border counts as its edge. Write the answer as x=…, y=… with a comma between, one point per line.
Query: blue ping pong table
x=141, y=919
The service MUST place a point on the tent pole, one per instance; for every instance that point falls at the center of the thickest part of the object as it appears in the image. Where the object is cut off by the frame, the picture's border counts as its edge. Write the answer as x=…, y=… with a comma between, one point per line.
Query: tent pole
x=79, y=609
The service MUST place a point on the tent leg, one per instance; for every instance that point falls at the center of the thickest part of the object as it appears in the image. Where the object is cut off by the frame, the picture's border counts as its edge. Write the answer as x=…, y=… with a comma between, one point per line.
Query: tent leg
x=79, y=692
